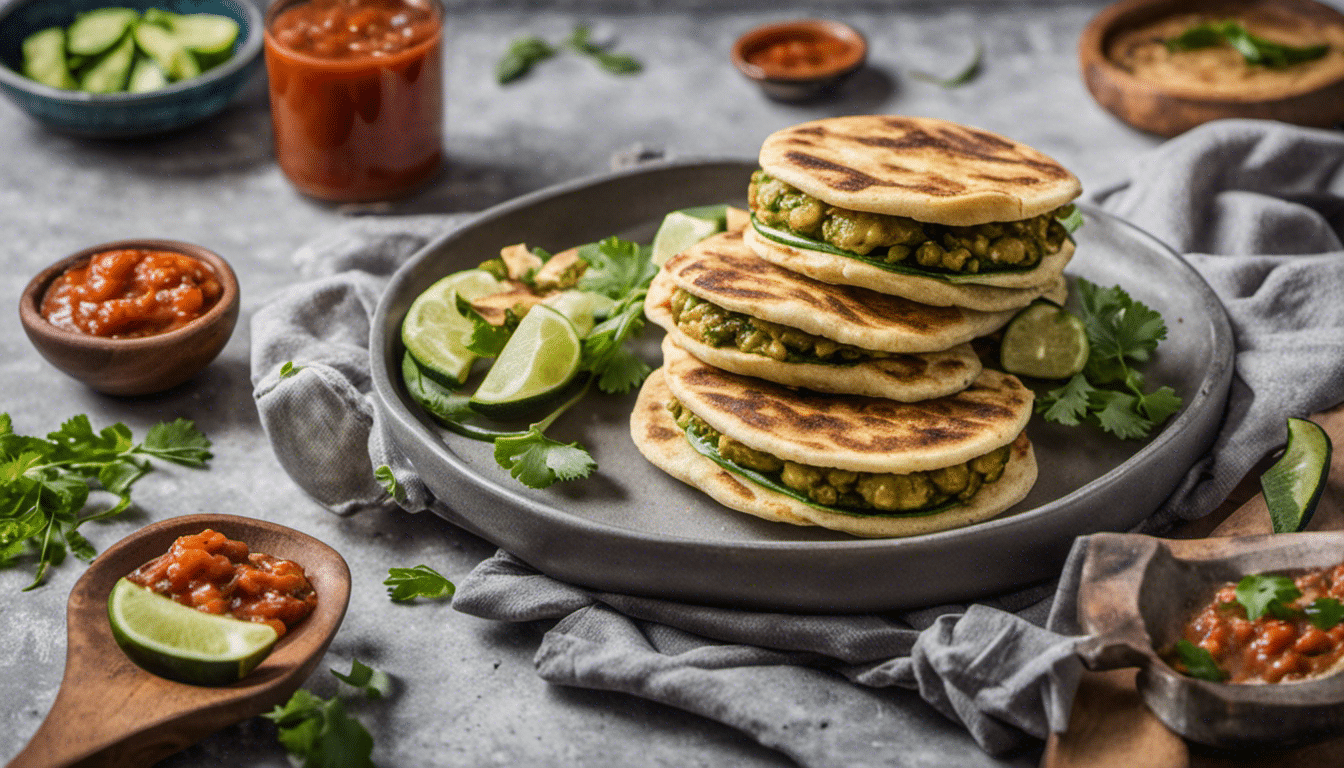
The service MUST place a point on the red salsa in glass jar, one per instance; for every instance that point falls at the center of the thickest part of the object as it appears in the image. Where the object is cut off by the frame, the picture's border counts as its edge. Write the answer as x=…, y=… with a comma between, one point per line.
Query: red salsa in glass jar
x=356, y=95
x=215, y=574
x=130, y=293
x=1295, y=638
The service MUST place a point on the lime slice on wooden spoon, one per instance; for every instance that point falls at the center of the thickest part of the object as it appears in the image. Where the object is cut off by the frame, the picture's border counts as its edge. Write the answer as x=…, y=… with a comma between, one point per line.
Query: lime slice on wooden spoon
x=181, y=643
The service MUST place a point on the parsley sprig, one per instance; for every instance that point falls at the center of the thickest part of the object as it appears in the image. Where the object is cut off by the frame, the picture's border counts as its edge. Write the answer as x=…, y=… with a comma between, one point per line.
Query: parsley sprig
x=45, y=483
x=1255, y=50
x=405, y=584
x=1110, y=392
x=318, y=733
x=1274, y=594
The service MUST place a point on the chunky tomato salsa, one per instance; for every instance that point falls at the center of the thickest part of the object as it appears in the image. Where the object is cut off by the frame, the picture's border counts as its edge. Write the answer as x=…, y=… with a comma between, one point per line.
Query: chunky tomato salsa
x=215, y=574
x=131, y=292
x=1268, y=629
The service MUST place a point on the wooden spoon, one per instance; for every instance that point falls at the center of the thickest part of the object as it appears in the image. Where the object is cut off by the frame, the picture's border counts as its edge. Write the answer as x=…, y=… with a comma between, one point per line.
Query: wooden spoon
x=110, y=712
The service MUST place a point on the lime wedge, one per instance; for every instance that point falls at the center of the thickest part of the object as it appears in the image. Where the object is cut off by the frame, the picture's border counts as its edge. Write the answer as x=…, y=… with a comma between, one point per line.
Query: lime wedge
x=538, y=361
x=1294, y=484
x=181, y=643
x=679, y=231
x=433, y=328
x=581, y=307
x=1045, y=341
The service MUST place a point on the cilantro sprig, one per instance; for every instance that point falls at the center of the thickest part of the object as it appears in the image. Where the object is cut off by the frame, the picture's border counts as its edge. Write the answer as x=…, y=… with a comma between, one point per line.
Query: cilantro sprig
x=405, y=584
x=45, y=483
x=1110, y=392
x=1275, y=594
x=524, y=53
x=1254, y=49
x=318, y=733
x=1198, y=662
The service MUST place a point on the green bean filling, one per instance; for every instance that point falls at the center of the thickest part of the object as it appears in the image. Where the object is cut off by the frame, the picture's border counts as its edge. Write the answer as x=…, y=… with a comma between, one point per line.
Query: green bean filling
x=883, y=492
x=900, y=240
x=711, y=324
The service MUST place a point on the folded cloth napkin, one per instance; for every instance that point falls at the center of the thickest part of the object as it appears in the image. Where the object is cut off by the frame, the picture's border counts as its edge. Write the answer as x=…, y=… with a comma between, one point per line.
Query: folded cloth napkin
x=1258, y=206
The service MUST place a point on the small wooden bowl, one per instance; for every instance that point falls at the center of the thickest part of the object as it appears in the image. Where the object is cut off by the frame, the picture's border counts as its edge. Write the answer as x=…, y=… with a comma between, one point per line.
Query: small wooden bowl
x=137, y=366
x=786, y=87
x=1168, y=110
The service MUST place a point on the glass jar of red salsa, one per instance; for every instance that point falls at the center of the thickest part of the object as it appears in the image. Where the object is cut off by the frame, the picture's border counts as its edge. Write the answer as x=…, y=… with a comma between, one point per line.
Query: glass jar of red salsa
x=215, y=574
x=131, y=292
x=356, y=95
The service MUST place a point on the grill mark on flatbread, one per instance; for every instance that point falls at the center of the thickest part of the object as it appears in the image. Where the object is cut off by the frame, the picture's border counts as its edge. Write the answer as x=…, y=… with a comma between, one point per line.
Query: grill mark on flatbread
x=1028, y=180
x=854, y=180
x=732, y=483
x=658, y=434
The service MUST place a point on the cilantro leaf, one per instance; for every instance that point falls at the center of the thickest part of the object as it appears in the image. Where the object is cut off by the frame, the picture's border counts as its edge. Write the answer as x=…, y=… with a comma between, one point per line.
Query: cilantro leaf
x=538, y=461
x=375, y=683
x=45, y=484
x=1255, y=50
x=1117, y=413
x=616, y=267
x=318, y=733
x=523, y=54
x=289, y=369
x=420, y=581
x=618, y=369
x=385, y=478
x=1324, y=612
x=486, y=340
x=615, y=63
x=1198, y=662
x=1159, y=404
x=1068, y=404
x=1266, y=593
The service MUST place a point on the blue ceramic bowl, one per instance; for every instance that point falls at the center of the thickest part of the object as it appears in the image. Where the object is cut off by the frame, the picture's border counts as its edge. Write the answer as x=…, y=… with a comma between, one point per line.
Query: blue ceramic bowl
x=111, y=115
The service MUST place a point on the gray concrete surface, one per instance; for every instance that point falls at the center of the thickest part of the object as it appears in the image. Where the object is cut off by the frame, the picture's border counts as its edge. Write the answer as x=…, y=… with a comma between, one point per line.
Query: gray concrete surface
x=466, y=692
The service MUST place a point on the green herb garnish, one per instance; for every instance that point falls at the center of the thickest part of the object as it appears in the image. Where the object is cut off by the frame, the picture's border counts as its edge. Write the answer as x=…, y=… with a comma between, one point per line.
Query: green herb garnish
x=526, y=52
x=966, y=75
x=289, y=369
x=1198, y=662
x=537, y=461
x=318, y=733
x=421, y=581
x=44, y=484
x=1267, y=593
x=1109, y=393
x=385, y=478
x=1324, y=612
x=1255, y=50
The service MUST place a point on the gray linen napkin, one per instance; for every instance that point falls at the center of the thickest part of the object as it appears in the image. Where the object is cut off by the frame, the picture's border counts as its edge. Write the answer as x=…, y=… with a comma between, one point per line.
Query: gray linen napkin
x=861, y=690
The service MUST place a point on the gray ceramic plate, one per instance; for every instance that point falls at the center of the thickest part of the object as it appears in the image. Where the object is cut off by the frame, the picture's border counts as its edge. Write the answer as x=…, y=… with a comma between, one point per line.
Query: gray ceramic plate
x=1137, y=592
x=631, y=528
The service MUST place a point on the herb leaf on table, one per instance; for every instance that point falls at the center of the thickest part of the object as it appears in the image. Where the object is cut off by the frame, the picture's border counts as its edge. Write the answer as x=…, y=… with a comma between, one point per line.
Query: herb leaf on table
x=318, y=733
x=523, y=54
x=44, y=484
x=421, y=581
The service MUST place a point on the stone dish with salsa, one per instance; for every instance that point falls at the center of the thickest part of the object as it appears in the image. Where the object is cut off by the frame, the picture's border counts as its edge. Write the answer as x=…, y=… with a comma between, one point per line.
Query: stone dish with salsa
x=1137, y=594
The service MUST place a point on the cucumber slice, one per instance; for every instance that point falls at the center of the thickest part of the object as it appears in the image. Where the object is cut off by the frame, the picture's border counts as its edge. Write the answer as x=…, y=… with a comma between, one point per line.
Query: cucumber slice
x=98, y=31
x=160, y=17
x=44, y=59
x=539, y=360
x=204, y=33
x=1294, y=484
x=111, y=72
x=146, y=75
x=171, y=56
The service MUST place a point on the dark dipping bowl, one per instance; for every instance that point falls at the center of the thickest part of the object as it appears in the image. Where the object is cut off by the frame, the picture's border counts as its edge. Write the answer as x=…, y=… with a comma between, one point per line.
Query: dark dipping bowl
x=785, y=86
x=1135, y=595
x=136, y=366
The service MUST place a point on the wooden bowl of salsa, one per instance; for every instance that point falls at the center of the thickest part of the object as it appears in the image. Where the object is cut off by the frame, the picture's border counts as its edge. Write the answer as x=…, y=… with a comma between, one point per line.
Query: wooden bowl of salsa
x=800, y=60
x=132, y=317
x=1132, y=72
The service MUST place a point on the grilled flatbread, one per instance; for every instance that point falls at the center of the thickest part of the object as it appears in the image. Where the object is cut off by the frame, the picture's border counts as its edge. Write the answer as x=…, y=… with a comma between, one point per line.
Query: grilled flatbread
x=859, y=434
x=906, y=376
x=664, y=444
x=984, y=295
x=923, y=168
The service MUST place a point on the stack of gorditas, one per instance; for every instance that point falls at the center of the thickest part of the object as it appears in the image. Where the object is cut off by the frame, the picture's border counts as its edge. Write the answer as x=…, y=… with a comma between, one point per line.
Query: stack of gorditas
x=817, y=367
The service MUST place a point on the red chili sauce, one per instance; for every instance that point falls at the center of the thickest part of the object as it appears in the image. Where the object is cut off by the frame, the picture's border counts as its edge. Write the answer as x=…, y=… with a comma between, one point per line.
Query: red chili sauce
x=1271, y=649
x=130, y=293
x=803, y=54
x=356, y=95
x=215, y=574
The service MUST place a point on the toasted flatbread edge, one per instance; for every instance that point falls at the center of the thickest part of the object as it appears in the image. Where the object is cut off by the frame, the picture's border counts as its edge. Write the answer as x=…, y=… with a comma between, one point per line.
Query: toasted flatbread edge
x=663, y=443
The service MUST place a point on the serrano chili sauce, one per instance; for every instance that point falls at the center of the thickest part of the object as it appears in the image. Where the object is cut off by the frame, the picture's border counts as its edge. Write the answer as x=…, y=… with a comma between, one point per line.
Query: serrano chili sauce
x=1270, y=649
x=215, y=574
x=130, y=293
x=356, y=95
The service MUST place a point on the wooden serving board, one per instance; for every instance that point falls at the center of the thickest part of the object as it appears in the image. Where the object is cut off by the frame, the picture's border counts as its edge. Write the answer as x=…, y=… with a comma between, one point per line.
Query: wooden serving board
x=1109, y=726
